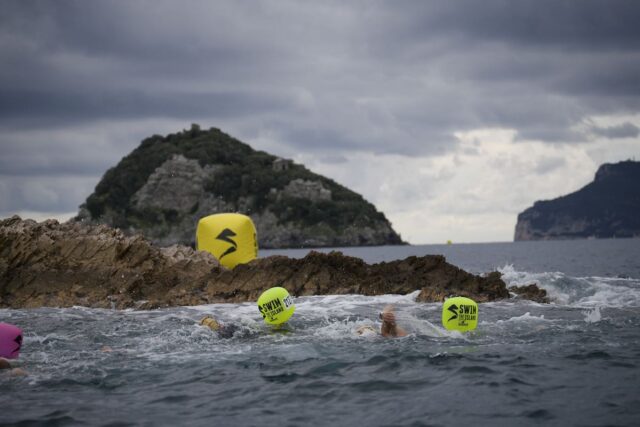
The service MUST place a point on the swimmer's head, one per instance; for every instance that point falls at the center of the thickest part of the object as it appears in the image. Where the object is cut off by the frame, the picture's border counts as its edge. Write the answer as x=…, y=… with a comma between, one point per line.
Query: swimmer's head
x=210, y=323
x=10, y=341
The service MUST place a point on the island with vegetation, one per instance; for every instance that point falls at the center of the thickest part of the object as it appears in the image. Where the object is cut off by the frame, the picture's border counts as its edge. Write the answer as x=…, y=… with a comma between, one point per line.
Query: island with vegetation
x=168, y=183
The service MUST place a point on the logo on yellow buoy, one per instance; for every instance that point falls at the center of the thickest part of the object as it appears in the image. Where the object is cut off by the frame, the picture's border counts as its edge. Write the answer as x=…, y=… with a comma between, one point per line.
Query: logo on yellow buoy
x=460, y=314
x=226, y=236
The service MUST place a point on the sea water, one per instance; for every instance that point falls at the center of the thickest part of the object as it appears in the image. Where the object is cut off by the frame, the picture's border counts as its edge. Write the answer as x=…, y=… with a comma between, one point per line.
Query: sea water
x=575, y=361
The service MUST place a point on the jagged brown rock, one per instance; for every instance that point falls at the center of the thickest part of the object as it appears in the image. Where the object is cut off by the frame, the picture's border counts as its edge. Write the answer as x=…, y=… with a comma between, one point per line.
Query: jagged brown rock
x=335, y=273
x=52, y=264
x=60, y=265
x=530, y=292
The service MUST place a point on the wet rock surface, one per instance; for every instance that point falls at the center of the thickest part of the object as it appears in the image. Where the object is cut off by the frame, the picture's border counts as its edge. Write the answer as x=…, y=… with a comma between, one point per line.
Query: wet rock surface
x=61, y=265
x=530, y=292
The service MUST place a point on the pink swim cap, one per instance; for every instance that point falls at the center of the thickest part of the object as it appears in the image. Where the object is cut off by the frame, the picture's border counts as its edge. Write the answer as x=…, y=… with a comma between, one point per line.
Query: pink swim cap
x=10, y=341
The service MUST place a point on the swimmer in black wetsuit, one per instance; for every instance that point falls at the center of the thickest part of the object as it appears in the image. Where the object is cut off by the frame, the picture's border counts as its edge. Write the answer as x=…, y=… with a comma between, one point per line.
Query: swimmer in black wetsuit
x=388, y=329
x=229, y=330
x=224, y=330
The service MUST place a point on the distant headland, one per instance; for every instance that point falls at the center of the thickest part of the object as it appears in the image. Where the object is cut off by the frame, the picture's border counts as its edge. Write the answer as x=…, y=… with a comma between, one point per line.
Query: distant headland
x=608, y=207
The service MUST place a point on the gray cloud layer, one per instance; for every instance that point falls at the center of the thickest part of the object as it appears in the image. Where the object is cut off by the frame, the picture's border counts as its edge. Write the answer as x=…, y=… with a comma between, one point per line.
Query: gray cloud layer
x=331, y=77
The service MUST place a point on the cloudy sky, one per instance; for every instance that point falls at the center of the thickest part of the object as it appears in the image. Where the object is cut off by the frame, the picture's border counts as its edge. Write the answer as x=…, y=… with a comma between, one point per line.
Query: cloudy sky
x=450, y=116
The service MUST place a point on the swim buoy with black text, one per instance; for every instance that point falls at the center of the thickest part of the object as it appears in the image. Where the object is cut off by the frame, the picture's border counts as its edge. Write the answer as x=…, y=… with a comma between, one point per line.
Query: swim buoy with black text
x=276, y=306
x=460, y=314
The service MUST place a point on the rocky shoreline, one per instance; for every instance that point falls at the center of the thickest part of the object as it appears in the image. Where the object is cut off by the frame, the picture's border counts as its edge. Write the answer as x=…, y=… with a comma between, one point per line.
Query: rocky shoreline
x=49, y=264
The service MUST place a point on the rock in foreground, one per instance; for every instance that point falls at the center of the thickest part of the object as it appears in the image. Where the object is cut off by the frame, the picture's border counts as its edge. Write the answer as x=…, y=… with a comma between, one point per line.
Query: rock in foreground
x=61, y=265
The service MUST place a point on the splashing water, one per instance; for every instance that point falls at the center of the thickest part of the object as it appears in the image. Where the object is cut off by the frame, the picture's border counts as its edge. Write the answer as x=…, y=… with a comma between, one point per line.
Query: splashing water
x=592, y=316
x=574, y=361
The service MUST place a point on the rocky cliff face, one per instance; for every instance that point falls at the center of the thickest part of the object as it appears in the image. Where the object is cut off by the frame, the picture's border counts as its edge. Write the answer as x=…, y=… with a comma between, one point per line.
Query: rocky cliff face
x=61, y=265
x=168, y=183
x=606, y=208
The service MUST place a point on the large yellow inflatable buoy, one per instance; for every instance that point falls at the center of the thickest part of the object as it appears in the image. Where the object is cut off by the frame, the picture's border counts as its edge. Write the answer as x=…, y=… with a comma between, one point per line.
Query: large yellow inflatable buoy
x=276, y=305
x=229, y=237
x=460, y=314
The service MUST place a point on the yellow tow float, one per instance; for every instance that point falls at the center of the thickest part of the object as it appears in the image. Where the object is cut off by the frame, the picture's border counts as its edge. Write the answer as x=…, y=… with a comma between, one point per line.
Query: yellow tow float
x=460, y=314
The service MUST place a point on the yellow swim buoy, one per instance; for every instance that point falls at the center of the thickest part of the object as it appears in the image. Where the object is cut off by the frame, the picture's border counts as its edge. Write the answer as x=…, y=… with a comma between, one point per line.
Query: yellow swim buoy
x=230, y=237
x=276, y=305
x=460, y=314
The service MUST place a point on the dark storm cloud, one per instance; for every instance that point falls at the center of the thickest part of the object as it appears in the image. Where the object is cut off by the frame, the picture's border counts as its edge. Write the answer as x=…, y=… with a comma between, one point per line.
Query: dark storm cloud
x=328, y=77
x=583, y=25
x=516, y=62
x=35, y=159
x=90, y=61
x=55, y=194
x=625, y=130
x=34, y=109
x=131, y=31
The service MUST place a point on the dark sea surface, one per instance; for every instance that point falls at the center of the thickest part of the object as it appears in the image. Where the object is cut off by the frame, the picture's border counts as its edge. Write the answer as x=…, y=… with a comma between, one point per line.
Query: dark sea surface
x=573, y=362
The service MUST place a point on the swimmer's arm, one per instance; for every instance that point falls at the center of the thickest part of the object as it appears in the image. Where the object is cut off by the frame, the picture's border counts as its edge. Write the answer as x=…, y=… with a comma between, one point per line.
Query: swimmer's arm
x=9, y=369
x=389, y=327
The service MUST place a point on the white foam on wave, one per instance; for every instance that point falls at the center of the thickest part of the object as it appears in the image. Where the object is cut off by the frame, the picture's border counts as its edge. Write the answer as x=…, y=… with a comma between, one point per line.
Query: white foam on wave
x=45, y=339
x=592, y=316
x=515, y=277
x=337, y=316
x=527, y=317
x=609, y=294
x=339, y=305
x=345, y=329
x=173, y=334
x=317, y=319
x=585, y=292
x=352, y=300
